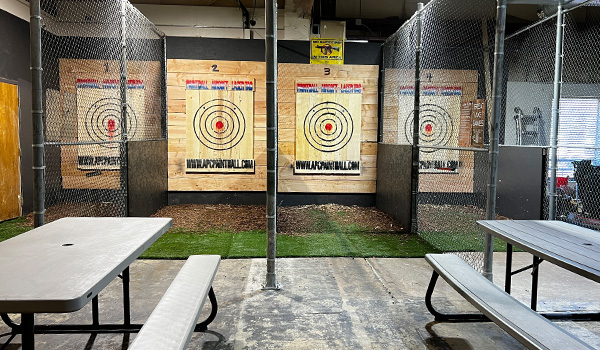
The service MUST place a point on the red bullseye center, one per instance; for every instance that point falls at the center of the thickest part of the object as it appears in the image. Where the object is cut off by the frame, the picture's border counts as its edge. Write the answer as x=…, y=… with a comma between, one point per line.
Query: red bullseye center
x=328, y=126
x=219, y=125
x=428, y=128
x=112, y=126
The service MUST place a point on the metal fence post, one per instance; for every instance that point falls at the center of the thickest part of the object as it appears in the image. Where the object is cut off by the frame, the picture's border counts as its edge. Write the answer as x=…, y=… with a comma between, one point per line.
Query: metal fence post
x=271, y=58
x=414, y=181
x=123, y=87
x=37, y=112
x=163, y=88
x=558, y=69
x=488, y=252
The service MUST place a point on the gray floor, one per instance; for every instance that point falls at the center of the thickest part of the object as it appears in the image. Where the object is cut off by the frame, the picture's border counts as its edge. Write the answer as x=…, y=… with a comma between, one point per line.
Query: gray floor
x=330, y=303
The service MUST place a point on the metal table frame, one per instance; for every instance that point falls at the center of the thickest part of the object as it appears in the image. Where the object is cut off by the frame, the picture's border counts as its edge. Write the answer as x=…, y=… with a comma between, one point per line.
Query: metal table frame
x=28, y=328
x=541, y=254
x=136, y=235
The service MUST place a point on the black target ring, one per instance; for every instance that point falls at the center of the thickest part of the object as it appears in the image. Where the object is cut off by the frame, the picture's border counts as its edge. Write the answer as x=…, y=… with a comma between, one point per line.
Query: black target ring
x=435, y=127
x=103, y=122
x=219, y=124
x=328, y=127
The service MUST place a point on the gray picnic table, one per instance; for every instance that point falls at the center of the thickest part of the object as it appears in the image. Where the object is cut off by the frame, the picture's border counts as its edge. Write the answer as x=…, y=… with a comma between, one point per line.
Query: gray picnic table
x=61, y=266
x=571, y=247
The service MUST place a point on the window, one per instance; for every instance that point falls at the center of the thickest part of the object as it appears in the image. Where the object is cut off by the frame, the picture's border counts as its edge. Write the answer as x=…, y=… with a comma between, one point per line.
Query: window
x=578, y=133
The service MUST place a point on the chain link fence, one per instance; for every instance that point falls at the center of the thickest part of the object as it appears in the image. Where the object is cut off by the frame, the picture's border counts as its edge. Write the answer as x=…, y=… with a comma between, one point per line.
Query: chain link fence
x=456, y=59
x=456, y=67
x=529, y=97
x=96, y=57
x=578, y=191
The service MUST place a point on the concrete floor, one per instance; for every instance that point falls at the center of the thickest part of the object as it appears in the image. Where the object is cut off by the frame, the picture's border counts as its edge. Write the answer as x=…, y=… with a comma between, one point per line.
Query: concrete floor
x=329, y=303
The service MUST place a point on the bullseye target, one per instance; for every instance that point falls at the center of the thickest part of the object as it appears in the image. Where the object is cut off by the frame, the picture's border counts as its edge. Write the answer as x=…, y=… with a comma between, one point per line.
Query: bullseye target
x=100, y=121
x=219, y=124
x=436, y=127
x=328, y=127
x=103, y=122
x=328, y=121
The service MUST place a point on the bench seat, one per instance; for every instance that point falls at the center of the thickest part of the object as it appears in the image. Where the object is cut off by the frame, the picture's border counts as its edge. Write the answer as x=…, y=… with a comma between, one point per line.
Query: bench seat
x=171, y=324
x=518, y=320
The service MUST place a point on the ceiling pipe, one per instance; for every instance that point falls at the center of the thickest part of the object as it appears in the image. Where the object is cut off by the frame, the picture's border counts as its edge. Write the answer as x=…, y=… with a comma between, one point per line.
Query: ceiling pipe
x=246, y=15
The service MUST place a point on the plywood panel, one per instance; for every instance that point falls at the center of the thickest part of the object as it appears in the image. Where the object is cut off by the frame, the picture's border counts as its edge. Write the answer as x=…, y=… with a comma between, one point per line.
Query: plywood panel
x=324, y=186
x=85, y=87
x=179, y=71
x=220, y=125
x=10, y=153
x=328, y=128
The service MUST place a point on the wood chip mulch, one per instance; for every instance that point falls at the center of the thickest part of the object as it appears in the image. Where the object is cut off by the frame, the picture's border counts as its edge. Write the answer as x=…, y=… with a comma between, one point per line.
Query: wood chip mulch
x=295, y=220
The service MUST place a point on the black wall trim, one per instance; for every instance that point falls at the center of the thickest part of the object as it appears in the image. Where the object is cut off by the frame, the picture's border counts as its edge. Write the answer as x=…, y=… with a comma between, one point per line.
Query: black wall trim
x=215, y=49
x=259, y=198
x=14, y=49
x=288, y=51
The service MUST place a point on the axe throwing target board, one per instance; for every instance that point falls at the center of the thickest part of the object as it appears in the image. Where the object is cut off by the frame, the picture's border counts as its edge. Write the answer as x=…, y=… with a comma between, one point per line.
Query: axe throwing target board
x=99, y=121
x=220, y=126
x=328, y=128
x=439, y=124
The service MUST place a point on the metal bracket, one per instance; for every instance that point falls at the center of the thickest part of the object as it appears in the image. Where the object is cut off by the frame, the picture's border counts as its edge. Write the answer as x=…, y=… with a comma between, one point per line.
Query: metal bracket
x=202, y=326
x=449, y=317
x=534, y=268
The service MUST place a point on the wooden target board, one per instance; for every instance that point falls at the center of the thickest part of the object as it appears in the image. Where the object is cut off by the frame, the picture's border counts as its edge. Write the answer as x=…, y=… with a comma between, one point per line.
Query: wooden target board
x=220, y=126
x=439, y=122
x=328, y=128
x=99, y=120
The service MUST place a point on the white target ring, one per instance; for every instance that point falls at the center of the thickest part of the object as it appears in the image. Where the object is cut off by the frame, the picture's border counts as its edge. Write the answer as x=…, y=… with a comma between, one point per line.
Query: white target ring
x=435, y=127
x=328, y=127
x=103, y=122
x=219, y=124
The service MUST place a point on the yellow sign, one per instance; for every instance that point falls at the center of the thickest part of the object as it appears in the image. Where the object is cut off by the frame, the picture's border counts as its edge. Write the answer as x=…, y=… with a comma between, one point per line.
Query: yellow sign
x=326, y=51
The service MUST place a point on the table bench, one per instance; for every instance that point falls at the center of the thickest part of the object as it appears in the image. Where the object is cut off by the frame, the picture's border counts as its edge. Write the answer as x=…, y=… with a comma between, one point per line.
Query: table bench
x=63, y=265
x=171, y=324
x=524, y=324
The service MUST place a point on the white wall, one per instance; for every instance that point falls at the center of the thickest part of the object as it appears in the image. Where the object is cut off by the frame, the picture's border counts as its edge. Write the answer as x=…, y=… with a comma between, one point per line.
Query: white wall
x=195, y=21
x=16, y=8
x=223, y=22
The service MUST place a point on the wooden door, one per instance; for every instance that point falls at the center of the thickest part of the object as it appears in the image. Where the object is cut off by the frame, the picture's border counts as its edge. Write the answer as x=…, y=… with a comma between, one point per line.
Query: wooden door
x=10, y=153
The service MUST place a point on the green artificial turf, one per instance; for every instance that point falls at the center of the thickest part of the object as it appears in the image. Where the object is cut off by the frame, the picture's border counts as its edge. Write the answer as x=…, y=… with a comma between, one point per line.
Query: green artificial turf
x=460, y=241
x=325, y=237
x=180, y=244
x=12, y=228
x=330, y=239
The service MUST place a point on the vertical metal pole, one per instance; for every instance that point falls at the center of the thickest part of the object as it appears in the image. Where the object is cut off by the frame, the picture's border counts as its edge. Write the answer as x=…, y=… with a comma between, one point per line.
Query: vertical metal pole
x=508, y=272
x=558, y=69
x=414, y=180
x=488, y=252
x=163, y=87
x=37, y=113
x=28, y=331
x=126, y=297
x=271, y=58
x=534, y=282
x=381, y=95
x=123, y=86
x=95, y=311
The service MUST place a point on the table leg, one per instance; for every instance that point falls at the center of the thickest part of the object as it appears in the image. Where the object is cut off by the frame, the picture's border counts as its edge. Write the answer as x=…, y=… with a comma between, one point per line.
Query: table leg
x=95, y=313
x=126, y=300
x=27, y=335
x=508, y=273
x=534, y=283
